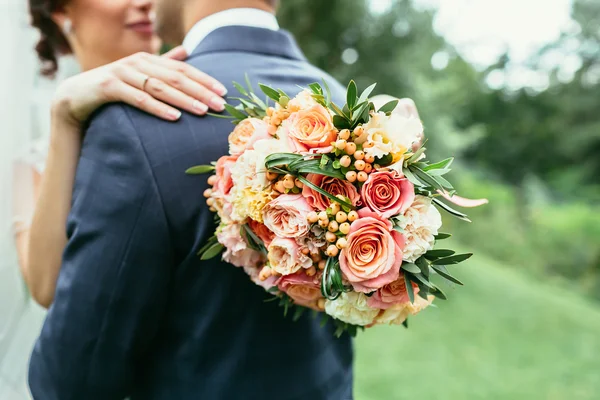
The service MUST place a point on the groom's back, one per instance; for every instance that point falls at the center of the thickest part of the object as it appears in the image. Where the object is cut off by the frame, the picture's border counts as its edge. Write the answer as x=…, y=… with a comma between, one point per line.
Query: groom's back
x=217, y=338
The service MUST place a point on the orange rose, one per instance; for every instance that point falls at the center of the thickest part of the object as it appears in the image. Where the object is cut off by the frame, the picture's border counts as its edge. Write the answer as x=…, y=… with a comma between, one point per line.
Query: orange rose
x=246, y=133
x=262, y=232
x=333, y=186
x=373, y=255
x=311, y=127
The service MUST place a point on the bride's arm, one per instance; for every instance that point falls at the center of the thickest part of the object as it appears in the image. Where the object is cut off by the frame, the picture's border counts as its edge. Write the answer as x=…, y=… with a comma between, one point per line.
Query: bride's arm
x=171, y=82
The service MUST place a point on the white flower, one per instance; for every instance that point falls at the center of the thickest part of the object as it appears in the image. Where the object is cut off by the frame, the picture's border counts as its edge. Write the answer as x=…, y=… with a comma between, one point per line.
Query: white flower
x=398, y=313
x=393, y=134
x=421, y=223
x=237, y=251
x=250, y=191
x=352, y=308
x=303, y=100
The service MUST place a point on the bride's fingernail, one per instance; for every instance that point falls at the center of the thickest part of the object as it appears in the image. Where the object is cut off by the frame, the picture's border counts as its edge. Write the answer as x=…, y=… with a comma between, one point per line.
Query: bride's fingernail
x=201, y=107
x=174, y=114
x=220, y=89
x=217, y=104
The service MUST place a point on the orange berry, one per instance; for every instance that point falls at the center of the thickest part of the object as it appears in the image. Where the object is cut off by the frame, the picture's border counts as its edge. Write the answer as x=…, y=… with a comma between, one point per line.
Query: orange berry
x=350, y=148
x=359, y=155
x=352, y=216
x=345, y=228
x=351, y=176
x=344, y=134
x=362, y=176
x=332, y=250
x=369, y=158
x=359, y=165
x=341, y=217
x=345, y=161
x=212, y=180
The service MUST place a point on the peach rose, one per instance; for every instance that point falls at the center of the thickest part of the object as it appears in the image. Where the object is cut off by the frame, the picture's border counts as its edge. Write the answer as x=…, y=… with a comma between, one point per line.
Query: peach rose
x=286, y=257
x=261, y=231
x=310, y=127
x=286, y=216
x=373, y=255
x=331, y=185
x=390, y=294
x=387, y=193
x=303, y=289
x=223, y=172
x=246, y=133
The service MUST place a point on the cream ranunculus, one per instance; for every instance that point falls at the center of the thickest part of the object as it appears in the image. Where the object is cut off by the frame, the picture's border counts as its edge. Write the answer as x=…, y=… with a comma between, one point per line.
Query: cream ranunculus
x=250, y=192
x=393, y=134
x=351, y=308
x=421, y=223
x=399, y=312
x=286, y=216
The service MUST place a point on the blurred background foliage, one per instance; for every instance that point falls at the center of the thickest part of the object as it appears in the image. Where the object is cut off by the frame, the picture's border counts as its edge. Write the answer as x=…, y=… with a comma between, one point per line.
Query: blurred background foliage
x=534, y=285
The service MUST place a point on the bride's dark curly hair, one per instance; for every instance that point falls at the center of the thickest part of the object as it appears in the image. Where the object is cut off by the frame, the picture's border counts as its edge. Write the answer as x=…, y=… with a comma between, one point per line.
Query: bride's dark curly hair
x=52, y=41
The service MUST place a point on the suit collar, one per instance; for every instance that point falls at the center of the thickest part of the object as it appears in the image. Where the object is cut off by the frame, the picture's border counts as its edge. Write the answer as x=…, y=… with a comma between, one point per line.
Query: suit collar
x=250, y=40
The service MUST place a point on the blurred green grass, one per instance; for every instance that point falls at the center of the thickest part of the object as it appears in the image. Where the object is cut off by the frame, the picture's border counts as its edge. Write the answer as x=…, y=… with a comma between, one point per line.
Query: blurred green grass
x=502, y=336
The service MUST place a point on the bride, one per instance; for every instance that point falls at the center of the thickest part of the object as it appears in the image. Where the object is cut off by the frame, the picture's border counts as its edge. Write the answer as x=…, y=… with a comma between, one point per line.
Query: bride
x=114, y=43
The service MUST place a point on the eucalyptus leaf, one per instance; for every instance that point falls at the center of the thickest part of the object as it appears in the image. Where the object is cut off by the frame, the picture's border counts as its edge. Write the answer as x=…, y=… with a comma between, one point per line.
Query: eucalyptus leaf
x=444, y=164
x=212, y=251
x=200, y=169
x=456, y=259
x=388, y=107
x=235, y=112
x=240, y=88
x=443, y=272
x=439, y=253
x=411, y=294
x=270, y=92
x=423, y=266
x=341, y=122
x=450, y=210
x=410, y=268
x=442, y=236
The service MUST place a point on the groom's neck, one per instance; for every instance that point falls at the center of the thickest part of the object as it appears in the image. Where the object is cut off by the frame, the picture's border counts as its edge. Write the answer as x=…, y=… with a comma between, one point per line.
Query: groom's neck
x=195, y=10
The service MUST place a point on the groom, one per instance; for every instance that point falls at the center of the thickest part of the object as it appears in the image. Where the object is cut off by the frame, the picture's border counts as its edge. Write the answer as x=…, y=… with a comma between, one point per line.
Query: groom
x=137, y=314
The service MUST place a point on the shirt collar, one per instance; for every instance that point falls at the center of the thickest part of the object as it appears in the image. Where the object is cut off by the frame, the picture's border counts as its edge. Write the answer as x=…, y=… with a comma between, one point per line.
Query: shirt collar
x=252, y=17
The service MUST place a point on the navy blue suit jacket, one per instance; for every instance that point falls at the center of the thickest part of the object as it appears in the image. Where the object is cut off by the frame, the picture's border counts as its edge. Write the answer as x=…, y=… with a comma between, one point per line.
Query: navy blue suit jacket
x=136, y=313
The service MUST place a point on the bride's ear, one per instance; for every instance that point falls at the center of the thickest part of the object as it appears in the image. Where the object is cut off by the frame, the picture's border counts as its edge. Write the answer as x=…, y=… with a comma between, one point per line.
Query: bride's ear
x=64, y=22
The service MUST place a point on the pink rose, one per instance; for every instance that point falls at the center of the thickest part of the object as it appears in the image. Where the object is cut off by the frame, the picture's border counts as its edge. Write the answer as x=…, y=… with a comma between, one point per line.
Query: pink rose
x=246, y=133
x=387, y=193
x=391, y=294
x=373, y=255
x=286, y=216
x=286, y=257
x=237, y=251
x=261, y=231
x=303, y=289
x=223, y=171
x=310, y=127
x=332, y=185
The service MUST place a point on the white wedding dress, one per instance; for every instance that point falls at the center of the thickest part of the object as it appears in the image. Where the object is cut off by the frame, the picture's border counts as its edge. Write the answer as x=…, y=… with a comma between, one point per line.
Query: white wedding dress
x=24, y=120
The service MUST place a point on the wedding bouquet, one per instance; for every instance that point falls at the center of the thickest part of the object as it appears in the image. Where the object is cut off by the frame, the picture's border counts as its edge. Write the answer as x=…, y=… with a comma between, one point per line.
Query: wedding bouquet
x=332, y=208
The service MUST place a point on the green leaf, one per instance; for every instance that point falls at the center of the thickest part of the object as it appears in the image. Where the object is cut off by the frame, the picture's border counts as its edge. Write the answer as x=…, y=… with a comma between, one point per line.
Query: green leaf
x=442, y=236
x=450, y=210
x=411, y=268
x=438, y=172
x=422, y=280
x=388, y=107
x=200, y=169
x=439, y=253
x=405, y=323
x=316, y=88
x=411, y=177
x=240, y=88
x=366, y=93
x=444, y=183
x=247, y=78
x=302, y=163
x=212, y=251
x=258, y=101
x=341, y=122
x=453, y=259
x=358, y=116
x=416, y=155
x=351, y=94
x=338, y=110
x=280, y=159
x=425, y=177
x=423, y=266
x=439, y=293
x=411, y=293
x=298, y=313
x=270, y=92
x=222, y=116
x=324, y=171
x=443, y=272
x=235, y=112
x=327, y=91
x=440, y=165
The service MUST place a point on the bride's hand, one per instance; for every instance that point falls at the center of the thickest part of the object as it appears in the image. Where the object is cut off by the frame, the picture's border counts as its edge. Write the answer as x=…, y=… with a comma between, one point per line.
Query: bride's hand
x=155, y=84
